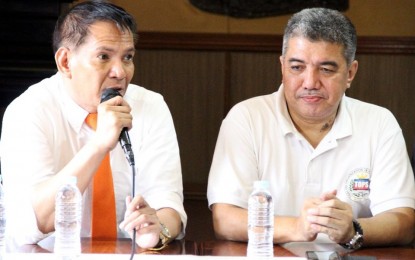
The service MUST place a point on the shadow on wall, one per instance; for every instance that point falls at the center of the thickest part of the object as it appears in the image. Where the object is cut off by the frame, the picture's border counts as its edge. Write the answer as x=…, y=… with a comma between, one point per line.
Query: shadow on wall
x=264, y=8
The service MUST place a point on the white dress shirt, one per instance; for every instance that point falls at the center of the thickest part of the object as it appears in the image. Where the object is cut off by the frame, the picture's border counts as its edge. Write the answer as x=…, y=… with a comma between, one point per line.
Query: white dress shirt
x=44, y=128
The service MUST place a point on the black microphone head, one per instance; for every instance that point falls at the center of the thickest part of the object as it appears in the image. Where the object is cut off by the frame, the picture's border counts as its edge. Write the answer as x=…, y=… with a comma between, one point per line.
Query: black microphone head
x=109, y=93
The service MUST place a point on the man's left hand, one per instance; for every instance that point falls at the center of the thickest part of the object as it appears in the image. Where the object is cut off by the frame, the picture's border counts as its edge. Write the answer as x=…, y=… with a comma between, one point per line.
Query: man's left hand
x=143, y=218
x=332, y=217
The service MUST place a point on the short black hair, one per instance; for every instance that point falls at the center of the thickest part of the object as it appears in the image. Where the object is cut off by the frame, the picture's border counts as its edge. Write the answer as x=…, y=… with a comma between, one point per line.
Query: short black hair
x=73, y=26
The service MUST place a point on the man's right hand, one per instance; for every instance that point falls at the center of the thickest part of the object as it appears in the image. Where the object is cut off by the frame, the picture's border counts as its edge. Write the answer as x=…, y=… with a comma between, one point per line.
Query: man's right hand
x=304, y=228
x=113, y=116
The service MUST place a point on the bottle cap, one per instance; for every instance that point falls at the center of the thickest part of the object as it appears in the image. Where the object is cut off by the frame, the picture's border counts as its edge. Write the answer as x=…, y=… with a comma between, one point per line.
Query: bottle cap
x=71, y=179
x=261, y=184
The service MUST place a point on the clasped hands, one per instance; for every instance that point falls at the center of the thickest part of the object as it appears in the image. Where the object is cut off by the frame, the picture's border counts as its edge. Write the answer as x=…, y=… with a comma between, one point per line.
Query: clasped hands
x=143, y=218
x=327, y=215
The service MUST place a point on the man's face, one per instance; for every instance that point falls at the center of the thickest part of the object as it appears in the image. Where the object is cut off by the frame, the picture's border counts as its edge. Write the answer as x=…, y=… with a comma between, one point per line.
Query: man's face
x=315, y=76
x=104, y=60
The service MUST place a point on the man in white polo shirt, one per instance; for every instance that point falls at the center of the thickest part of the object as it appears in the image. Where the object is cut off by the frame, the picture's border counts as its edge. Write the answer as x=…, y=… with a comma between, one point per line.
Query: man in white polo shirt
x=336, y=166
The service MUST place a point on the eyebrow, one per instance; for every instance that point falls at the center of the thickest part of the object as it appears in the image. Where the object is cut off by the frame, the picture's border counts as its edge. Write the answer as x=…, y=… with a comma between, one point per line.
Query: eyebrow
x=329, y=63
x=103, y=48
x=295, y=60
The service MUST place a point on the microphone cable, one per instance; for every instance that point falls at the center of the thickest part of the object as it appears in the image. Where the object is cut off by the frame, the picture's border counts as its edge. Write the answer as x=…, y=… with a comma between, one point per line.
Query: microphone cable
x=132, y=164
x=125, y=143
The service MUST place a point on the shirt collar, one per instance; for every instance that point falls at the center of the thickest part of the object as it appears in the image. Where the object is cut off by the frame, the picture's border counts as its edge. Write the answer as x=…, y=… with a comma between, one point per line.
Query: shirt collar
x=283, y=117
x=74, y=113
x=342, y=126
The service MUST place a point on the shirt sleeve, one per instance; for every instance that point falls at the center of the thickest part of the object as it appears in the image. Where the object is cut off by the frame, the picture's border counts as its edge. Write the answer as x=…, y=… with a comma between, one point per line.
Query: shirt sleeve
x=234, y=165
x=24, y=145
x=392, y=170
x=159, y=176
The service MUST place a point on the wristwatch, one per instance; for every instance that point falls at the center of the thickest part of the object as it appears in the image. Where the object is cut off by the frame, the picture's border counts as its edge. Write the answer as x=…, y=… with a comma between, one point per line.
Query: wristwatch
x=165, y=236
x=357, y=241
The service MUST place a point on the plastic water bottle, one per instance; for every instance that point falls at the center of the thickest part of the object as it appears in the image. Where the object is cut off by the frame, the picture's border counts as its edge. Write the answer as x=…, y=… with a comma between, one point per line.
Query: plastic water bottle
x=68, y=214
x=260, y=221
x=2, y=219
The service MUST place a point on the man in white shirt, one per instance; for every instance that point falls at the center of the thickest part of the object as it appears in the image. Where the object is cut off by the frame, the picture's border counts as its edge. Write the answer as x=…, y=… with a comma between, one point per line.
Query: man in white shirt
x=337, y=167
x=45, y=137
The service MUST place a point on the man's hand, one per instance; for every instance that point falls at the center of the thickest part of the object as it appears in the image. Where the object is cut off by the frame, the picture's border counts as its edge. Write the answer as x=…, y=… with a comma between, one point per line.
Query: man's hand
x=332, y=217
x=304, y=228
x=113, y=116
x=143, y=218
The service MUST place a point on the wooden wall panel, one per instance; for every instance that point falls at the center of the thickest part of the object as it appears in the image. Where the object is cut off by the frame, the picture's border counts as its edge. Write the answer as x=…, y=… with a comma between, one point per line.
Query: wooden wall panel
x=253, y=74
x=388, y=81
x=193, y=85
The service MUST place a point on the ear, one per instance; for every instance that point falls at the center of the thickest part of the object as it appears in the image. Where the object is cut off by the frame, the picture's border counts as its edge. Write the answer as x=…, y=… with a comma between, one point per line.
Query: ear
x=62, y=58
x=352, y=72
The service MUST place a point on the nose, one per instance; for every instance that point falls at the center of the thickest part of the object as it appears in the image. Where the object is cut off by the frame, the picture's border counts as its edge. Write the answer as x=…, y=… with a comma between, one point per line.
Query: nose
x=311, y=79
x=118, y=70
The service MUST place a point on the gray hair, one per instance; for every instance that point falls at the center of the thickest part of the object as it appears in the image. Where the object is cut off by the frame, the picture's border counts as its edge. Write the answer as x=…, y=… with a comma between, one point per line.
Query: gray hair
x=321, y=24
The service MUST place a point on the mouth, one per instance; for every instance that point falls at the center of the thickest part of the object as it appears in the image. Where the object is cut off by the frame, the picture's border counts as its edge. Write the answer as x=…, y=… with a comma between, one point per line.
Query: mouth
x=311, y=96
x=311, y=99
x=120, y=90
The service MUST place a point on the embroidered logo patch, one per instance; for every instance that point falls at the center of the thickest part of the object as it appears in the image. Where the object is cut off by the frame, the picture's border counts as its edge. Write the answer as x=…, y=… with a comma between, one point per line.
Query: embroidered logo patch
x=358, y=184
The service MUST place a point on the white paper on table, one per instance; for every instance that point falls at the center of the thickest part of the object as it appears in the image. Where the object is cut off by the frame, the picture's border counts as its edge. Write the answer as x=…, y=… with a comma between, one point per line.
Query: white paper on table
x=322, y=243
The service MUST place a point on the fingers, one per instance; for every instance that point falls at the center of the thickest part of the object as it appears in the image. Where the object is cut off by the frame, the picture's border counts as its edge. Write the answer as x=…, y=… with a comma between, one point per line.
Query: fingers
x=306, y=230
x=142, y=223
x=304, y=227
x=117, y=112
x=337, y=232
x=113, y=116
x=116, y=104
x=116, y=101
x=332, y=217
x=128, y=209
x=141, y=217
x=328, y=195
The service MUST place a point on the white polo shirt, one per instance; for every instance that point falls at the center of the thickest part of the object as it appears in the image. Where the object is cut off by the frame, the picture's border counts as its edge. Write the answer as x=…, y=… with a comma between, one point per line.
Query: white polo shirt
x=363, y=156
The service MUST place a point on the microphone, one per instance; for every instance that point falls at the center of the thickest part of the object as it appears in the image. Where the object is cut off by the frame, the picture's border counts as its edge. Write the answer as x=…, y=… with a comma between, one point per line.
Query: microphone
x=124, y=137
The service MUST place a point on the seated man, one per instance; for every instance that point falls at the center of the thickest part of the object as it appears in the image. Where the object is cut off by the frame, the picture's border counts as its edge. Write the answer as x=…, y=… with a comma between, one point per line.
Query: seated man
x=336, y=165
x=46, y=137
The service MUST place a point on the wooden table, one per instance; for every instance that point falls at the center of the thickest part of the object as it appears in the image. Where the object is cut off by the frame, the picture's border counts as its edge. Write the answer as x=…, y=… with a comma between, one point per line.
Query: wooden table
x=120, y=246
x=215, y=248
x=229, y=248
